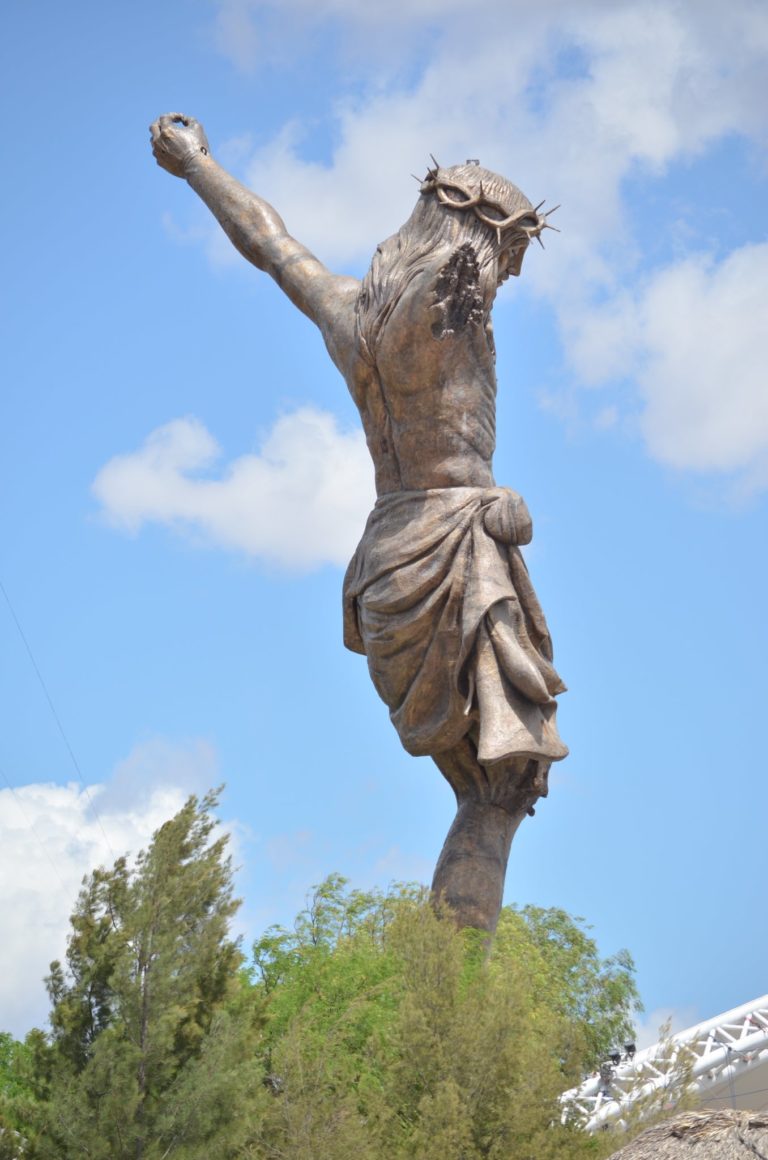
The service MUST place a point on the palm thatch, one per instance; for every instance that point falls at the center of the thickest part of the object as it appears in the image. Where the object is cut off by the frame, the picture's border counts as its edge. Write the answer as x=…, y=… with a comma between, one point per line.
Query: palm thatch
x=703, y=1135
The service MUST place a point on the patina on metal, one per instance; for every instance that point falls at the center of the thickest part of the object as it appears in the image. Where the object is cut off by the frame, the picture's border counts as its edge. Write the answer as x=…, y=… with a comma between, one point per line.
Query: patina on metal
x=437, y=596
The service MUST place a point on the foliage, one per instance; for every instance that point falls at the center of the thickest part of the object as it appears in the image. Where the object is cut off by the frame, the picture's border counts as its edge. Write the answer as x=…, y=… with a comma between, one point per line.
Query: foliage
x=597, y=996
x=13, y=1056
x=391, y=1033
x=16, y=1091
x=153, y=1034
x=371, y=1028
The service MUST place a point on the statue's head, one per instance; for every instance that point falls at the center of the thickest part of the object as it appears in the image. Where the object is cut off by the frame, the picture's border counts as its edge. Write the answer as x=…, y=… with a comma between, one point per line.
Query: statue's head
x=458, y=206
x=491, y=207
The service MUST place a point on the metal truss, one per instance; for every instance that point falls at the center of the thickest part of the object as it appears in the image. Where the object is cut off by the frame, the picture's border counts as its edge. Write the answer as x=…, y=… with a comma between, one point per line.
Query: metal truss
x=719, y=1061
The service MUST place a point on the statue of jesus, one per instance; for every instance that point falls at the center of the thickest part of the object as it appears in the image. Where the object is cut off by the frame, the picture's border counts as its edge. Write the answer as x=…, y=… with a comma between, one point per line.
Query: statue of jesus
x=437, y=595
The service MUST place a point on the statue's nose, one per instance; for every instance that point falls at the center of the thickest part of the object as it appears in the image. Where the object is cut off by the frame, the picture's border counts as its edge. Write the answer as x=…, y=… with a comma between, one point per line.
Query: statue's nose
x=516, y=261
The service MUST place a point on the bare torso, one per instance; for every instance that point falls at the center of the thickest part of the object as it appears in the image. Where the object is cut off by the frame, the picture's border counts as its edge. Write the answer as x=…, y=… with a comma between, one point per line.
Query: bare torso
x=428, y=403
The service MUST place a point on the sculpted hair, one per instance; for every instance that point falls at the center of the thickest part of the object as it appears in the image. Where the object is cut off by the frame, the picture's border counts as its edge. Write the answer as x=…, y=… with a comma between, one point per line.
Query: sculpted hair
x=436, y=229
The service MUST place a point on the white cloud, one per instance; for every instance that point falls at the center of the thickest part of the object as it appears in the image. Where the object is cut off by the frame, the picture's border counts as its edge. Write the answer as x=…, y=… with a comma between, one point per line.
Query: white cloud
x=704, y=378
x=52, y=835
x=571, y=101
x=566, y=101
x=301, y=501
x=695, y=340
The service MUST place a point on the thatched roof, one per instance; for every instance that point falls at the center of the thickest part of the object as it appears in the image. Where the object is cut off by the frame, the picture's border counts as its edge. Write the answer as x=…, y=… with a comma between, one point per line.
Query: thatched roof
x=703, y=1135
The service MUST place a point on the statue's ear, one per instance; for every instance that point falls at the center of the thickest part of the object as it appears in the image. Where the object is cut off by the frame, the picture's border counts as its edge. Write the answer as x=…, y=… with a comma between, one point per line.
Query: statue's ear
x=458, y=299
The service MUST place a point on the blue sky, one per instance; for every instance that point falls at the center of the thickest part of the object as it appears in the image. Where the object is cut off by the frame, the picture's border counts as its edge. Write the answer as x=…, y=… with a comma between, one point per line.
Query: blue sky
x=183, y=477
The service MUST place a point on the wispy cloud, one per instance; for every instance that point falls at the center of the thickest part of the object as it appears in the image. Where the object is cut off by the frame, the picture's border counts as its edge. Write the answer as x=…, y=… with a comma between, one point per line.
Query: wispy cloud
x=398, y=865
x=236, y=33
x=300, y=501
x=664, y=1020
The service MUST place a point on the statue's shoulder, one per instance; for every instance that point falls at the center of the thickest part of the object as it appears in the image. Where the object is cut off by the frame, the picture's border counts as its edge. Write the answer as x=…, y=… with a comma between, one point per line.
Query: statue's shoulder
x=337, y=324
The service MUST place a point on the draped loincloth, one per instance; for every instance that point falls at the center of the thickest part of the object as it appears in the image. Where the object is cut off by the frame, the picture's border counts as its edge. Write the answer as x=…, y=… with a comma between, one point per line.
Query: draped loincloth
x=437, y=596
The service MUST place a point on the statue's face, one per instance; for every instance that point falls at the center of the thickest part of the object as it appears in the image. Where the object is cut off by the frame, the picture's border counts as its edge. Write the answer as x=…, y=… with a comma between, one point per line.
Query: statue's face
x=510, y=260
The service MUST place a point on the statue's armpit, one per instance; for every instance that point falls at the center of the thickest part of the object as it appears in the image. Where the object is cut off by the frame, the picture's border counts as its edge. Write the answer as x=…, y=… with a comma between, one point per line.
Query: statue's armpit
x=458, y=301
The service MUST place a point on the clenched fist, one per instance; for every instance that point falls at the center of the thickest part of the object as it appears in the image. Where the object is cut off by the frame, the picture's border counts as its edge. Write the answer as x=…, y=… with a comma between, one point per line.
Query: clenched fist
x=176, y=139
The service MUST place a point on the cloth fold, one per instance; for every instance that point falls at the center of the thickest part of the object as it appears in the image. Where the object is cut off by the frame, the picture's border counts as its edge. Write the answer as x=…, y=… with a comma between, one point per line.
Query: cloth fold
x=437, y=596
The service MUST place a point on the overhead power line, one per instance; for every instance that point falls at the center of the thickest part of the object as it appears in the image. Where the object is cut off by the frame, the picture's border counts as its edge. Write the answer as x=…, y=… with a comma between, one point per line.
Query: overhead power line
x=57, y=719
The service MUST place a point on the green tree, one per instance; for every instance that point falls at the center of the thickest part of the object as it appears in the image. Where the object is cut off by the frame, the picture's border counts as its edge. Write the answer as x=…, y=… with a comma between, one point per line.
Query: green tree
x=371, y=1028
x=150, y=997
x=13, y=1056
x=16, y=1093
x=390, y=1033
x=597, y=996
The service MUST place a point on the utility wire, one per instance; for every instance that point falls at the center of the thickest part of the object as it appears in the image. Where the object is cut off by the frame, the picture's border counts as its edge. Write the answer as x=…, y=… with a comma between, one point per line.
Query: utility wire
x=754, y=1092
x=56, y=717
x=729, y=1071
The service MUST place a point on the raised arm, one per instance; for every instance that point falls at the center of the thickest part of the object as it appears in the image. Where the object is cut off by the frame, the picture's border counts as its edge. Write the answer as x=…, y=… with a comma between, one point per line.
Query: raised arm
x=180, y=145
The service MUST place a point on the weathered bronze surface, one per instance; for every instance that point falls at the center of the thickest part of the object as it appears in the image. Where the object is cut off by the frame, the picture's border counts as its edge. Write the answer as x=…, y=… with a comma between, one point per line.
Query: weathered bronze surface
x=437, y=595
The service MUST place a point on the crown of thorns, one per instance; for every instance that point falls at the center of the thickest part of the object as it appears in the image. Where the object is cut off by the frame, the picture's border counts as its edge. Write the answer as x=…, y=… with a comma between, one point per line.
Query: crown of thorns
x=526, y=221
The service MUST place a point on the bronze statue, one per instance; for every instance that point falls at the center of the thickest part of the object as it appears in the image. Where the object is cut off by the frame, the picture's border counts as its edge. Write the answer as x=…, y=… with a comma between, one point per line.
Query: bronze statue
x=437, y=595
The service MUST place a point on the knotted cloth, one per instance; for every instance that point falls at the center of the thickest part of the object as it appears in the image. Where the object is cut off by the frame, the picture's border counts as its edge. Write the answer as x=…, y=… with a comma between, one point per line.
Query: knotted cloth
x=437, y=596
